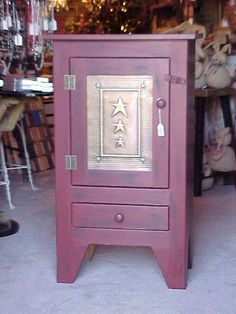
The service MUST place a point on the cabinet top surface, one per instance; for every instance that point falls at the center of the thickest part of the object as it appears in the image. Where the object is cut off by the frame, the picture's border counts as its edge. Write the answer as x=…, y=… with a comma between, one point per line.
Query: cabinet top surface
x=123, y=37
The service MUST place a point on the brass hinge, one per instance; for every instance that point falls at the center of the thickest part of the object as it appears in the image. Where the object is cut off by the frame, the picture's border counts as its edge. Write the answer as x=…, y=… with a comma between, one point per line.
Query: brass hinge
x=69, y=82
x=70, y=162
x=175, y=79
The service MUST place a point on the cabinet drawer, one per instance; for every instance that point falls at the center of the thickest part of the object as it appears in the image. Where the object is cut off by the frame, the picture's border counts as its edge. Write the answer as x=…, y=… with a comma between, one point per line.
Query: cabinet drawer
x=120, y=216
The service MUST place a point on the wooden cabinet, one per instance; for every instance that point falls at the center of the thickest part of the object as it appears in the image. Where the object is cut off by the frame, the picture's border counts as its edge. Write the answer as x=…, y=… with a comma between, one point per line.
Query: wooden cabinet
x=124, y=144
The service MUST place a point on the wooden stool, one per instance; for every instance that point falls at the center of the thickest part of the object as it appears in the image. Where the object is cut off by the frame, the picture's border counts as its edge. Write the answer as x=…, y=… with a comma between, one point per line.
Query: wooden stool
x=11, y=110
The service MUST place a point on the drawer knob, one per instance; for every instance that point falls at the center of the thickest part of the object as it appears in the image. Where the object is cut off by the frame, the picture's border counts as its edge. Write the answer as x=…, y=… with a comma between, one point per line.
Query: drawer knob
x=119, y=217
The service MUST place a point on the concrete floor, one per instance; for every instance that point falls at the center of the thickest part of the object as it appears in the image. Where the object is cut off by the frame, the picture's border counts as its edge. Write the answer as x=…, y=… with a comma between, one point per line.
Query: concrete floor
x=119, y=280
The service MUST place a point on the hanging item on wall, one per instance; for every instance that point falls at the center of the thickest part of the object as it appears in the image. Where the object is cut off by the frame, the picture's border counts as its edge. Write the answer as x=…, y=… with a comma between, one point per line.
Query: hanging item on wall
x=41, y=19
x=18, y=39
x=22, y=24
x=8, y=35
x=35, y=29
x=35, y=39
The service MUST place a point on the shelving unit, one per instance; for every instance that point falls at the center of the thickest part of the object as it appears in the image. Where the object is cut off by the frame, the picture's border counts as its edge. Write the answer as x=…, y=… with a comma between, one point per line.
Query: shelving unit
x=39, y=139
x=201, y=100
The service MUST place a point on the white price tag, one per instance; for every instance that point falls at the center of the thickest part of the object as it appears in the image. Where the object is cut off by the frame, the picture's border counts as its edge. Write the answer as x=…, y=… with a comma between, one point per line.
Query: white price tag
x=9, y=21
x=45, y=24
x=18, y=25
x=18, y=40
x=53, y=25
x=160, y=129
x=4, y=25
x=160, y=126
x=33, y=29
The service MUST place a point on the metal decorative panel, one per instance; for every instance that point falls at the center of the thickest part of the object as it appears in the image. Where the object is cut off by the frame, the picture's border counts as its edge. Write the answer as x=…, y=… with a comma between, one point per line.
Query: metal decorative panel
x=119, y=120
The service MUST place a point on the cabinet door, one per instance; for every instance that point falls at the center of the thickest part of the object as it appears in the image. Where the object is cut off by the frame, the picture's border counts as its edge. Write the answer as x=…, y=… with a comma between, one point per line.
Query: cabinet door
x=114, y=122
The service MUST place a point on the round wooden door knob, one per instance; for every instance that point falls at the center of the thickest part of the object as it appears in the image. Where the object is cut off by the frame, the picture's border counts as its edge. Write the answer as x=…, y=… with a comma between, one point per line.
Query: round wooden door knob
x=161, y=103
x=119, y=217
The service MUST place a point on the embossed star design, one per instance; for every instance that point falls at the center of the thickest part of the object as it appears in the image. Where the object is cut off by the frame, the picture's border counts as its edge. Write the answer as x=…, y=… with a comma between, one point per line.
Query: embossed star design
x=119, y=107
x=120, y=142
x=119, y=126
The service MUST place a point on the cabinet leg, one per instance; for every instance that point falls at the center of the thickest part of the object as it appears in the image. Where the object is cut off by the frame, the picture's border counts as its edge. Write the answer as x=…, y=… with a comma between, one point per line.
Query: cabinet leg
x=69, y=261
x=190, y=254
x=173, y=268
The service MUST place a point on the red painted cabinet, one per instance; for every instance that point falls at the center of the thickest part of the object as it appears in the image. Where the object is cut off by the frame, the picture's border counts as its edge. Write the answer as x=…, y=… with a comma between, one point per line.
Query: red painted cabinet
x=124, y=144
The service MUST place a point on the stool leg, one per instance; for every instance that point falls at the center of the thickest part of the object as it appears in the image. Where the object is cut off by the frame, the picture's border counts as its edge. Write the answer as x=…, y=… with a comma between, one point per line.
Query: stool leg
x=22, y=132
x=5, y=175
